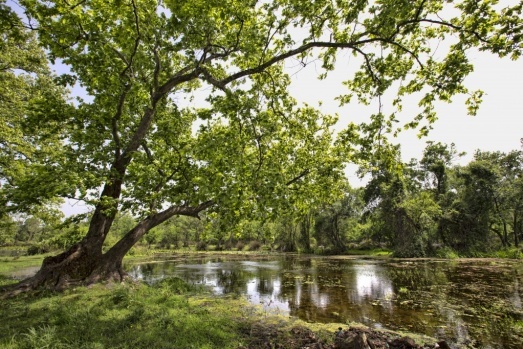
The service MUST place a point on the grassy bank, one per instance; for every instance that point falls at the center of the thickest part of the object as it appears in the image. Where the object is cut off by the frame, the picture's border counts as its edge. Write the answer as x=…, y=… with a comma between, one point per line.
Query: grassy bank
x=168, y=315
x=10, y=265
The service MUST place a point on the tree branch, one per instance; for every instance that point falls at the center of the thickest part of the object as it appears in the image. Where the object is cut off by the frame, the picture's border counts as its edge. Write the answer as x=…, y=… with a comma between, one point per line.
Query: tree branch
x=319, y=44
x=297, y=178
x=149, y=155
x=116, y=118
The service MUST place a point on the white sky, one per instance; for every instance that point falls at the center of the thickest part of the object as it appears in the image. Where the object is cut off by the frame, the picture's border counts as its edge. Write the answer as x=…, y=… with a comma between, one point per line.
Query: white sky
x=497, y=126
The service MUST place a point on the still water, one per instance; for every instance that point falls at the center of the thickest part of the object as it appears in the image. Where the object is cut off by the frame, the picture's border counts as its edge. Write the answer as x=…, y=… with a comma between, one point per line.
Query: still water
x=469, y=303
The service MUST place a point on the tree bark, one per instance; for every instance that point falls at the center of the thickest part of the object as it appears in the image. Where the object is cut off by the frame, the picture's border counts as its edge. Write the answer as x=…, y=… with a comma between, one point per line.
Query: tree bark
x=501, y=237
x=515, y=228
x=505, y=231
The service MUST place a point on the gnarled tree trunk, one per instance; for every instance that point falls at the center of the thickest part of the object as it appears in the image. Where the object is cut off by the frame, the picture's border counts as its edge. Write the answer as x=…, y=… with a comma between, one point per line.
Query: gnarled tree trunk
x=84, y=263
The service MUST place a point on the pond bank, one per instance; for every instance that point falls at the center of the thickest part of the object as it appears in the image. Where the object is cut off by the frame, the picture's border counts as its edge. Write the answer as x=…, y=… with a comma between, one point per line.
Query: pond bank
x=170, y=314
x=470, y=303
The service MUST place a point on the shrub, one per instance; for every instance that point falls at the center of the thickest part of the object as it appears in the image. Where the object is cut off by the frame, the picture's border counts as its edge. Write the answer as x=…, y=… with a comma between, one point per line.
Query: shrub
x=229, y=245
x=415, y=249
x=201, y=246
x=447, y=253
x=254, y=245
x=366, y=244
x=512, y=253
x=240, y=246
x=36, y=249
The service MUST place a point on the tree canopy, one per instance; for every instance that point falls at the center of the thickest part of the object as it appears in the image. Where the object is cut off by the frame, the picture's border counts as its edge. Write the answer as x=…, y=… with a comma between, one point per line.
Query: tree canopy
x=132, y=145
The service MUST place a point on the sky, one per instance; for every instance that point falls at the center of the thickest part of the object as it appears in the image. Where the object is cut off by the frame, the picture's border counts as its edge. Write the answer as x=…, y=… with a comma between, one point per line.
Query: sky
x=498, y=124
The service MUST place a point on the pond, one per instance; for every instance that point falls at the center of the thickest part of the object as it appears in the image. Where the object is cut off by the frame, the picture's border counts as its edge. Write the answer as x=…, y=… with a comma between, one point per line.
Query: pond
x=470, y=303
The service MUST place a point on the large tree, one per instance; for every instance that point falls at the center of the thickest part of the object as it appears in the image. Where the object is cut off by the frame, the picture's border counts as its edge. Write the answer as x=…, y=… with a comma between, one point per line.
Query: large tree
x=131, y=144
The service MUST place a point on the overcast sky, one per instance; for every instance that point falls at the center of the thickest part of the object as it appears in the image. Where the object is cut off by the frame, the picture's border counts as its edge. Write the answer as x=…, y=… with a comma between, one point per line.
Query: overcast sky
x=497, y=126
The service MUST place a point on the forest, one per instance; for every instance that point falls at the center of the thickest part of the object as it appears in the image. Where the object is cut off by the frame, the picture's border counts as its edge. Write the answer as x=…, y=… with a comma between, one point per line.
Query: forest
x=431, y=207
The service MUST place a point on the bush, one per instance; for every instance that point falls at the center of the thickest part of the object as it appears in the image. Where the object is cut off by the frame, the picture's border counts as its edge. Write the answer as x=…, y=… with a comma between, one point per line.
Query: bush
x=201, y=246
x=267, y=248
x=512, y=253
x=229, y=245
x=67, y=237
x=168, y=243
x=366, y=244
x=254, y=245
x=415, y=249
x=36, y=249
x=447, y=253
x=240, y=246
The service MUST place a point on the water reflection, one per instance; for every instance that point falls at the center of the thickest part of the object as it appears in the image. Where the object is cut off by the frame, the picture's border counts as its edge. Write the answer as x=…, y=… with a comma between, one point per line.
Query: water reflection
x=475, y=304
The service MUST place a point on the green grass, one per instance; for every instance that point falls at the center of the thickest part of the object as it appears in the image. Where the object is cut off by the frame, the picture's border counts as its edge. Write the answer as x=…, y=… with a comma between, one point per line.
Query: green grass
x=123, y=316
x=11, y=264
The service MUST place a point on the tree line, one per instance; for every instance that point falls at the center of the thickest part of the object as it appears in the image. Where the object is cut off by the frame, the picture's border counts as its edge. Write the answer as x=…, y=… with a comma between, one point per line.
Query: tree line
x=427, y=207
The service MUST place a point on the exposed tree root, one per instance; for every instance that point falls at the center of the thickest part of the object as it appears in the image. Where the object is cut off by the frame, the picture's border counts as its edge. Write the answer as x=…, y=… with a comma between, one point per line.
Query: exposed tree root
x=74, y=267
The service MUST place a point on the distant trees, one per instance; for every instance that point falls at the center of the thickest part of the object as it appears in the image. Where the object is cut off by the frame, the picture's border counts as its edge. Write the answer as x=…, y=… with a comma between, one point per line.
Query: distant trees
x=434, y=203
x=8, y=230
x=420, y=208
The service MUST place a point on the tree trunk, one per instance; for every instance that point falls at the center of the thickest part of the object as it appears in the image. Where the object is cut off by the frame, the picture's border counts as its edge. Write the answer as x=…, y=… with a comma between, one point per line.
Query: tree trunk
x=80, y=260
x=84, y=263
x=505, y=239
x=334, y=234
x=69, y=267
x=501, y=237
x=305, y=232
x=515, y=228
